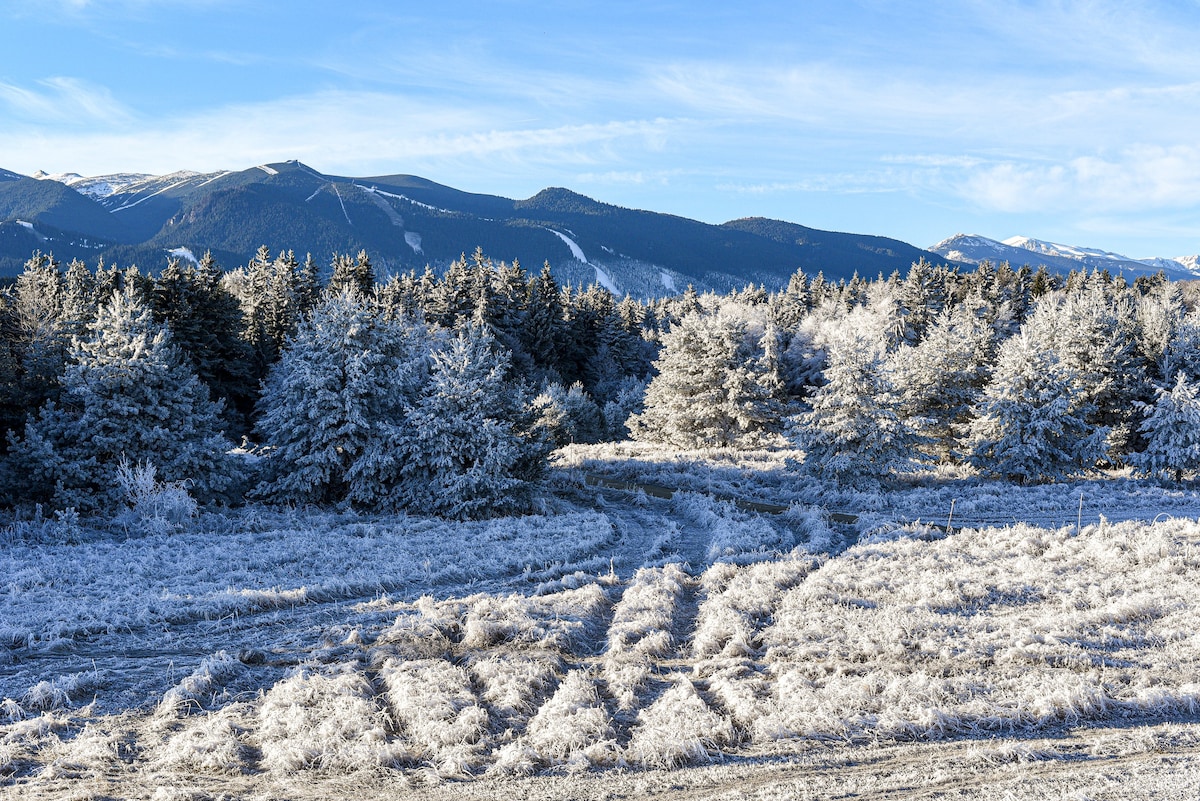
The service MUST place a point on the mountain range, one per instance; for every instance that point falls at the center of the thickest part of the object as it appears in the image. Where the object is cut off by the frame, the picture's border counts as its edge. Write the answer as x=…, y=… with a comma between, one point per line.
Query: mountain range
x=406, y=222
x=1019, y=250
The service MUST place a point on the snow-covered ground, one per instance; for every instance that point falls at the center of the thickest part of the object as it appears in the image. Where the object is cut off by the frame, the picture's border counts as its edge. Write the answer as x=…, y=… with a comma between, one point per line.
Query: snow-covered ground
x=617, y=645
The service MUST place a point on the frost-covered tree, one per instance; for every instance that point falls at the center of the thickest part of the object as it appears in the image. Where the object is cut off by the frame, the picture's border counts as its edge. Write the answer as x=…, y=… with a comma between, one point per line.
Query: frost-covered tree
x=468, y=446
x=1172, y=431
x=852, y=432
x=569, y=414
x=1031, y=423
x=127, y=396
x=347, y=372
x=712, y=388
x=938, y=380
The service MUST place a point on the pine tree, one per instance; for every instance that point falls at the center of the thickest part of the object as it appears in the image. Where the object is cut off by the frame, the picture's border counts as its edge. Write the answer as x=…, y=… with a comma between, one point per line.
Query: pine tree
x=1171, y=429
x=710, y=387
x=938, y=381
x=469, y=446
x=126, y=396
x=43, y=339
x=206, y=324
x=1031, y=423
x=852, y=433
x=347, y=372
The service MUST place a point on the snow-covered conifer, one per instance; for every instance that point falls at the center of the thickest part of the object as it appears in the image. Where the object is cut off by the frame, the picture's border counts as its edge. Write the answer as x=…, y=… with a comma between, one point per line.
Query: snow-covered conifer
x=853, y=432
x=127, y=396
x=1031, y=422
x=468, y=447
x=712, y=388
x=939, y=379
x=1172, y=431
x=346, y=372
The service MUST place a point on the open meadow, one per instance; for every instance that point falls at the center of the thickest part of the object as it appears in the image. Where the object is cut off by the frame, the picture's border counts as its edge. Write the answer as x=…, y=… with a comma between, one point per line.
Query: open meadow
x=617, y=645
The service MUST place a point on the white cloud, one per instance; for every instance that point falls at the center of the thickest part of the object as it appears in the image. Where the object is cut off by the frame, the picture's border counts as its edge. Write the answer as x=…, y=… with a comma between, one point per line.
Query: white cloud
x=63, y=100
x=335, y=131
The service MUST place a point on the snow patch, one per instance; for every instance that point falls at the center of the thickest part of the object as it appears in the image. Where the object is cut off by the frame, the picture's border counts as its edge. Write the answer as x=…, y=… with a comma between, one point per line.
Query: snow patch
x=343, y=203
x=576, y=251
x=268, y=170
x=668, y=281
x=29, y=227
x=413, y=240
x=377, y=191
x=183, y=253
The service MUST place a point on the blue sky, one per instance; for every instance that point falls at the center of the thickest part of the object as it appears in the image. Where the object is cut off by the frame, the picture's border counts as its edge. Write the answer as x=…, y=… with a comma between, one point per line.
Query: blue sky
x=1075, y=122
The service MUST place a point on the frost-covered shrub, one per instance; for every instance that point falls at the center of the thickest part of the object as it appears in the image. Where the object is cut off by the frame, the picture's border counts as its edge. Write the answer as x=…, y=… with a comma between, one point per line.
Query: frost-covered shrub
x=126, y=396
x=569, y=414
x=154, y=506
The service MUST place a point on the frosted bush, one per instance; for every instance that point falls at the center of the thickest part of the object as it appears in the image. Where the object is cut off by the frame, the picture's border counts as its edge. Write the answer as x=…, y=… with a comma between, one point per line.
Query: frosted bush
x=154, y=506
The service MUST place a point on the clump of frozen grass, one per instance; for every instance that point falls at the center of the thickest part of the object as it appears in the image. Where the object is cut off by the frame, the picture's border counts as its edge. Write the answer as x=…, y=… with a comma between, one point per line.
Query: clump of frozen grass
x=733, y=535
x=426, y=631
x=813, y=522
x=1015, y=752
x=550, y=621
x=211, y=743
x=64, y=526
x=514, y=685
x=155, y=507
x=53, y=694
x=436, y=709
x=641, y=630
x=572, y=729
x=738, y=601
x=677, y=729
x=191, y=692
x=330, y=723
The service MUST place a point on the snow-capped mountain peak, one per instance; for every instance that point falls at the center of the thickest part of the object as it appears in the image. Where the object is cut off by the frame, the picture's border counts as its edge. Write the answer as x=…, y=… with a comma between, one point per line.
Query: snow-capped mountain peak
x=1019, y=250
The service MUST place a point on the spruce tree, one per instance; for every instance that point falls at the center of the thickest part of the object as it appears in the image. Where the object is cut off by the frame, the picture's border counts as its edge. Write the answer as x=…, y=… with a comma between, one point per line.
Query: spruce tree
x=710, y=387
x=853, y=433
x=1171, y=428
x=469, y=446
x=1031, y=423
x=126, y=396
x=347, y=372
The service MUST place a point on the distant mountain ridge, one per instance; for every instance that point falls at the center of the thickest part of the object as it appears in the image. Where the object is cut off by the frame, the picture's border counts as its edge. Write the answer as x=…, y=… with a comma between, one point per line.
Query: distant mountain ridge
x=1020, y=250
x=406, y=222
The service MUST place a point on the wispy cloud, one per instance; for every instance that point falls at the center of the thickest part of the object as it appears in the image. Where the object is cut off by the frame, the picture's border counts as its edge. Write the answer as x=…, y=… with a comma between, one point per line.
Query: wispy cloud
x=336, y=131
x=64, y=100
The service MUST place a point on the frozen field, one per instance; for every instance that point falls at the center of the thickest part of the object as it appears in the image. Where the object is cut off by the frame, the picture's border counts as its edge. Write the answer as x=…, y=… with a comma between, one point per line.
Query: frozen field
x=618, y=645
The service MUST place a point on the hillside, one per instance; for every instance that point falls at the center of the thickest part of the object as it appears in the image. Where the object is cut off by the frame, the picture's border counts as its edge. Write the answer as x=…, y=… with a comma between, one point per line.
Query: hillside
x=406, y=222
